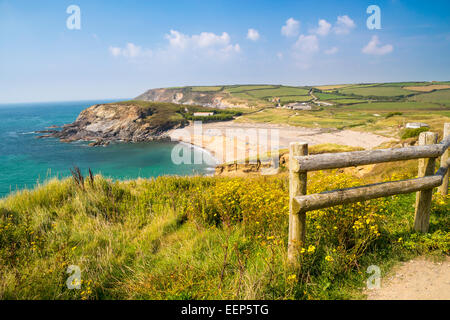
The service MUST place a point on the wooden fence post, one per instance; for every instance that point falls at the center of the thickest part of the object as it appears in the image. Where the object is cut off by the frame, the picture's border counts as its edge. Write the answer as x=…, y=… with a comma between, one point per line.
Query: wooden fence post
x=297, y=187
x=423, y=198
x=443, y=189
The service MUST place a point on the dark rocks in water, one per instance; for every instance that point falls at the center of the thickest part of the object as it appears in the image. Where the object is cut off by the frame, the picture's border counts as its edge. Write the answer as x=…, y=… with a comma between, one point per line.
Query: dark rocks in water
x=47, y=131
x=99, y=143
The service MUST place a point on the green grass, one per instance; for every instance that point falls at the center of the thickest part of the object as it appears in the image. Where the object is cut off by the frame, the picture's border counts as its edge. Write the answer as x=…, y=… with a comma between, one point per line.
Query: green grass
x=405, y=84
x=329, y=96
x=200, y=238
x=287, y=99
x=279, y=92
x=377, y=91
x=207, y=89
x=396, y=106
x=346, y=101
x=233, y=89
x=440, y=96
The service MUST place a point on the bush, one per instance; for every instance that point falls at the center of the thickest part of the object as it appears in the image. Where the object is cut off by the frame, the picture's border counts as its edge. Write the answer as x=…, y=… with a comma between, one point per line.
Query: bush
x=412, y=133
x=392, y=114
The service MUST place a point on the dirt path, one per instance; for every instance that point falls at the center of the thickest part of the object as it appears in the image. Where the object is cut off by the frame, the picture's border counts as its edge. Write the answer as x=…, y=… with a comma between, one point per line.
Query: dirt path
x=418, y=279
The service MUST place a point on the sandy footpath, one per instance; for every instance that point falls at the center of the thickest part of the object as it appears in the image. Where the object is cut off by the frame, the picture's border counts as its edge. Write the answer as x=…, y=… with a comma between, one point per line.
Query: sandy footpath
x=418, y=279
x=227, y=140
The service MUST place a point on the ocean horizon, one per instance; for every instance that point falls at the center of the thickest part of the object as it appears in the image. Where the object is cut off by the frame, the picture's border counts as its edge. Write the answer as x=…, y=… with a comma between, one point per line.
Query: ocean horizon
x=26, y=161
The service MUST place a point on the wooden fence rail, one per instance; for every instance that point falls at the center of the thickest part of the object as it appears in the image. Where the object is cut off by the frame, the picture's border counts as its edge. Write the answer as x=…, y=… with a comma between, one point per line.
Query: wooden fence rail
x=300, y=163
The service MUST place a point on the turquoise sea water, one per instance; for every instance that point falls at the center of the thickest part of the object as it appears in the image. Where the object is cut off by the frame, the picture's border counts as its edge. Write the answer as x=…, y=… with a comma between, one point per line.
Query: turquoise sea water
x=25, y=160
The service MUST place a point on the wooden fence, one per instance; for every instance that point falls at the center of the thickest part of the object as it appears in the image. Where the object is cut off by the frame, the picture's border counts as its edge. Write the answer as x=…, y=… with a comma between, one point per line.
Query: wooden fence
x=427, y=151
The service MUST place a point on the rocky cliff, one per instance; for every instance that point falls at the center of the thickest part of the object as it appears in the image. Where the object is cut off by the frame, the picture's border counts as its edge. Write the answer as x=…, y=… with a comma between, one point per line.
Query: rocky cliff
x=128, y=122
x=214, y=99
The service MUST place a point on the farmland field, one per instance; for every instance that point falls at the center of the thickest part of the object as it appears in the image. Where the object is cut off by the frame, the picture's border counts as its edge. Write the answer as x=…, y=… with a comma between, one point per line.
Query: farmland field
x=346, y=101
x=279, y=92
x=248, y=87
x=332, y=87
x=441, y=96
x=329, y=96
x=206, y=89
x=376, y=91
x=397, y=106
x=295, y=98
x=429, y=88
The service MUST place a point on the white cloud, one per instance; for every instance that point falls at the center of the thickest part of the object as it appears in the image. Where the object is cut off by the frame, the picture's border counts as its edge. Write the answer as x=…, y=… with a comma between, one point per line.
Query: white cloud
x=130, y=51
x=374, y=48
x=344, y=25
x=304, y=49
x=307, y=44
x=199, y=46
x=324, y=28
x=177, y=39
x=115, y=51
x=205, y=40
x=331, y=51
x=280, y=55
x=291, y=28
x=253, y=34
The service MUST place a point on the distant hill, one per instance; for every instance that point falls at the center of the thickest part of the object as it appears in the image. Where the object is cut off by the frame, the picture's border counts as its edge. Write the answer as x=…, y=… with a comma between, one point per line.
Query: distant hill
x=230, y=96
x=227, y=96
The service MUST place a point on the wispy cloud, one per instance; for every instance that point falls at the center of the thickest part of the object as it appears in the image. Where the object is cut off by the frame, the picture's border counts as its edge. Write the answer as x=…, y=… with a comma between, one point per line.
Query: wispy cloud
x=130, y=51
x=323, y=29
x=206, y=42
x=179, y=44
x=331, y=51
x=344, y=25
x=253, y=35
x=304, y=50
x=291, y=28
x=374, y=47
x=307, y=44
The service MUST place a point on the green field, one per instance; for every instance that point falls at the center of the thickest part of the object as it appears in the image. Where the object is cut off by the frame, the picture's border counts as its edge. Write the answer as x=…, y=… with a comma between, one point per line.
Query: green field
x=295, y=99
x=279, y=92
x=329, y=96
x=405, y=84
x=377, y=91
x=206, y=89
x=440, y=96
x=347, y=101
x=247, y=88
x=397, y=106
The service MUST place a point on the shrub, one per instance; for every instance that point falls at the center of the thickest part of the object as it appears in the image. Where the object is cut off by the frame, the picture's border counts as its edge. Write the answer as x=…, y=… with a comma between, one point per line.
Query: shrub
x=412, y=133
x=392, y=114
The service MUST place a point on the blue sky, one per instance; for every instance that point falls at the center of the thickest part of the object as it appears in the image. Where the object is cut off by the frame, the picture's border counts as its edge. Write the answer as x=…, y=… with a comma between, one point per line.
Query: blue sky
x=126, y=47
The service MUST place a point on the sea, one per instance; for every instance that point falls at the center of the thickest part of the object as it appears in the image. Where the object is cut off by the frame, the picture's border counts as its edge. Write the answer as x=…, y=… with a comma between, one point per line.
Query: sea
x=26, y=161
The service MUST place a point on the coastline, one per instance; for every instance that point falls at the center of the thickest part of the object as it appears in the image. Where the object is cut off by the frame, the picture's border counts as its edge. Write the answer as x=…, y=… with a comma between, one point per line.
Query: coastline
x=216, y=139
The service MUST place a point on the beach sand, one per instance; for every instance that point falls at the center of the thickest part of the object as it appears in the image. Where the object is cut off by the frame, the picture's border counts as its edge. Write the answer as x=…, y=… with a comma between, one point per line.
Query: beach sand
x=230, y=141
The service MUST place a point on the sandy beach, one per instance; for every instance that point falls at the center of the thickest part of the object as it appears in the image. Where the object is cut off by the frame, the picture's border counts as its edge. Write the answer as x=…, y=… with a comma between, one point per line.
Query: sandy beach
x=230, y=141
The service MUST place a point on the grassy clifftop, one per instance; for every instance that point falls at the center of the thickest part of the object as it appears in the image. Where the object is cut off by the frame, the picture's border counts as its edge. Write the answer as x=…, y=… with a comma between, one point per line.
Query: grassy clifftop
x=200, y=238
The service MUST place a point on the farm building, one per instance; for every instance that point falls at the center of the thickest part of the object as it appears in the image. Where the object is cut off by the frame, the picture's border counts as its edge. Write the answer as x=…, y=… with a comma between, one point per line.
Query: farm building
x=416, y=125
x=203, y=114
x=322, y=103
x=299, y=106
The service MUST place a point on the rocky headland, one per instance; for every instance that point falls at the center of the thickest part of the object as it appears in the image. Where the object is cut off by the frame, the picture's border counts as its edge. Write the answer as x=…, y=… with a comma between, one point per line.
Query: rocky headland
x=105, y=123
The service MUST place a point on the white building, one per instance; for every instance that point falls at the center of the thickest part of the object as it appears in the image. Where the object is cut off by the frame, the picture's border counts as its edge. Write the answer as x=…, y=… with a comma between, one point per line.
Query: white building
x=299, y=106
x=416, y=125
x=203, y=114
